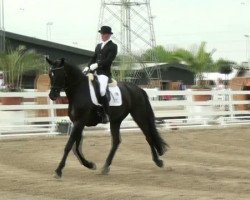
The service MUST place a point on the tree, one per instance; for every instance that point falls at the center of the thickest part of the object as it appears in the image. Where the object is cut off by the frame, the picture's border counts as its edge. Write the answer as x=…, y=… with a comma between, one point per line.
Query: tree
x=224, y=66
x=14, y=63
x=198, y=60
x=125, y=63
x=161, y=55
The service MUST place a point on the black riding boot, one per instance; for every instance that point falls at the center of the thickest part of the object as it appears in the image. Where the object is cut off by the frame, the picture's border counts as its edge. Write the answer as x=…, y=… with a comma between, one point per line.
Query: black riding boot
x=105, y=104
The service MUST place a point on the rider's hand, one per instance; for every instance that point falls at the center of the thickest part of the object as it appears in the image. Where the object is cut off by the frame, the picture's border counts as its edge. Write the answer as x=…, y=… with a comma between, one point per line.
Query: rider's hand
x=85, y=70
x=93, y=66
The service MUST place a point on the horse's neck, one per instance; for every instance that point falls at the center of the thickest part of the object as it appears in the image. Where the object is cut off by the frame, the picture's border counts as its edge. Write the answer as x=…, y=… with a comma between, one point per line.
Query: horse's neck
x=75, y=80
x=78, y=91
x=74, y=75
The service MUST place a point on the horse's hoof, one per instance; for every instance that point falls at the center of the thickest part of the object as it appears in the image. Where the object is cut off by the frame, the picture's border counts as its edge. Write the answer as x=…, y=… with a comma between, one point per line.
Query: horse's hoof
x=93, y=167
x=159, y=163
x=56, y=176
x=105, y=170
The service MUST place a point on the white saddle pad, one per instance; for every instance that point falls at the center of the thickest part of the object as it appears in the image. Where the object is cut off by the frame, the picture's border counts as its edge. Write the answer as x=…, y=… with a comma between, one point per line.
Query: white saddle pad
x=115, y=95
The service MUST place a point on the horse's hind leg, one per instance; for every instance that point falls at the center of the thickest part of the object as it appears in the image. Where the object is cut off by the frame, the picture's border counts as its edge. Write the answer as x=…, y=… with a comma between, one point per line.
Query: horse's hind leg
x=141, y=119
x=78, y=127
x=77, y=149
x=116, y=140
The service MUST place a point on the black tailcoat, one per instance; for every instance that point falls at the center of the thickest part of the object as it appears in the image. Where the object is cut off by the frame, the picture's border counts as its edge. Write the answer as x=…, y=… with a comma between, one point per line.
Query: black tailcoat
x=104, y=58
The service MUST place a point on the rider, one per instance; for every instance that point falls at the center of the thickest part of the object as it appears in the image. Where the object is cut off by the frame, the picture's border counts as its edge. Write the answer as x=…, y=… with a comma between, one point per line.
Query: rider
x=105, y=53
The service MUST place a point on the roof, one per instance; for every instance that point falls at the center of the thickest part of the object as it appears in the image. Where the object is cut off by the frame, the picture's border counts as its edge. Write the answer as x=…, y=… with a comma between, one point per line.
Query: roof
x=216, y=75
x=45, y=43
x=140, y=66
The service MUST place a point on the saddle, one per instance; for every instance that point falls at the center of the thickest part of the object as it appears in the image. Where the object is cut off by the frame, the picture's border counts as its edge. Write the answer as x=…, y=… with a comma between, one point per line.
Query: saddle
x=112, y=92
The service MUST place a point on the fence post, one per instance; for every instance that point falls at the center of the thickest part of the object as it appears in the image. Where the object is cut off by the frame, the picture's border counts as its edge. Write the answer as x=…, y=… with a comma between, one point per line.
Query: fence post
x=189, y=100
x=230, y=104
x=52, y=114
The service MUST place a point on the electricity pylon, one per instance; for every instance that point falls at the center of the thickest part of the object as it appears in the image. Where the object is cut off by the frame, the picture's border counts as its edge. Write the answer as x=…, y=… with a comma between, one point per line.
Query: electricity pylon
x=132, y=24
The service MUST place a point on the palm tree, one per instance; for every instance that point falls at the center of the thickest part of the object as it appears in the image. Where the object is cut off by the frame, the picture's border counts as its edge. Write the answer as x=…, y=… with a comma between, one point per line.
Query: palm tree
x=15, y=63
x=224, y=66
x=124, y=69
x=198, y=60
x=161, y=55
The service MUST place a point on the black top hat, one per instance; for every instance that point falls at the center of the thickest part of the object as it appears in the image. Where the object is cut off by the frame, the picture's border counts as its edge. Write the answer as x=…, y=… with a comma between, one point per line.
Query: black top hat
x=105, y=29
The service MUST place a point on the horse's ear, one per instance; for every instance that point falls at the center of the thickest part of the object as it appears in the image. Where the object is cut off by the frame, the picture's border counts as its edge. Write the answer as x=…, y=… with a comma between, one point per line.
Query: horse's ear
x=49, y=61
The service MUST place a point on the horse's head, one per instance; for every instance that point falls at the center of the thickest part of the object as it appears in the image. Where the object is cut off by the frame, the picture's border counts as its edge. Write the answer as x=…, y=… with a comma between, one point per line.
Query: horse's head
x=57, y=77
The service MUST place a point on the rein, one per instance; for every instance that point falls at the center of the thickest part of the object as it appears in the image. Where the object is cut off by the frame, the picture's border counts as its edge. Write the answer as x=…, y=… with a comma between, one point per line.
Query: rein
x=64, y=87
x=57, y=68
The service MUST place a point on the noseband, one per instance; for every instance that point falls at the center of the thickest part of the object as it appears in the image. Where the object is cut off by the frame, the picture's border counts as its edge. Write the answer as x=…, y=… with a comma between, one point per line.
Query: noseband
x=58, y=88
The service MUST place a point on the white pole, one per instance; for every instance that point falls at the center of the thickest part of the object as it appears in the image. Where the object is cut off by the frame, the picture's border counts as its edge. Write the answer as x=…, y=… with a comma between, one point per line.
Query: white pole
x=247, y=57
x=2, y=26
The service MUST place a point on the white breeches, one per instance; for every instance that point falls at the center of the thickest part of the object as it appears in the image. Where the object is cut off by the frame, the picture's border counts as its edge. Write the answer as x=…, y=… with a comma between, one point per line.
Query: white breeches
x=103, y=80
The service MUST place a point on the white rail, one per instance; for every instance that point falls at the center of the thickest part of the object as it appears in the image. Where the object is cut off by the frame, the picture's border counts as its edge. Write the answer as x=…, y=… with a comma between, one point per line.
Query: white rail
x=179, y=111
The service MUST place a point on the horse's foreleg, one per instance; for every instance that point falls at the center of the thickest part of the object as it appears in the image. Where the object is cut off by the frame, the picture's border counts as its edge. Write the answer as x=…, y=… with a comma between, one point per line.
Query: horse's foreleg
x=77, y=129
x=116, y=140
x=77, y=149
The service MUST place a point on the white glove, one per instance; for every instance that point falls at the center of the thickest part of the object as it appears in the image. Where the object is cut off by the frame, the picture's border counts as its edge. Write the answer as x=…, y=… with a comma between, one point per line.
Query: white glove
x=93, y=66
x=85, y=69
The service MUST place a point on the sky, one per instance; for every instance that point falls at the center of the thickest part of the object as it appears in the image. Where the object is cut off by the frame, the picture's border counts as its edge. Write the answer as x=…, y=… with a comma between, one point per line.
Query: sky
x=222, y=24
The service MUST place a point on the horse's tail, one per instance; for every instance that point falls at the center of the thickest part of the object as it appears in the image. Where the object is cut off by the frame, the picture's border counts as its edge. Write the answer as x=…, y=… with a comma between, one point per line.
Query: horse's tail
x=159, y=144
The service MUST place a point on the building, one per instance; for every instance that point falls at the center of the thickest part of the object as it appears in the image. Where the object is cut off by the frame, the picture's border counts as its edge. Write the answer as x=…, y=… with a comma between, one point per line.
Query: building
x=53, y=50
x=76, y=56
x=170, y=72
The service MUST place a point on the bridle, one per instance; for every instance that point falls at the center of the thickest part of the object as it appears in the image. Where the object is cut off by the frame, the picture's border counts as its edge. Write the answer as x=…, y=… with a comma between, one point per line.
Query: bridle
x=62, y=67
x=59, y=88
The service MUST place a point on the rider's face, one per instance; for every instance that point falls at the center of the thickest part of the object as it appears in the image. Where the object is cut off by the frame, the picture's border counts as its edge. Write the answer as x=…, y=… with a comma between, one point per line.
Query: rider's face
x=105, y=36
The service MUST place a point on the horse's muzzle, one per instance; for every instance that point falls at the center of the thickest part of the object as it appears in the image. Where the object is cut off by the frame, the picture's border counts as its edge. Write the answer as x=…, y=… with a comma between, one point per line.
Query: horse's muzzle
x=54, y=94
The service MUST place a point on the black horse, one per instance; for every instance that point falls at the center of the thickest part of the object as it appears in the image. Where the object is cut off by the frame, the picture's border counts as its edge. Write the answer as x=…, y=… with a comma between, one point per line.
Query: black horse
x=82, y=112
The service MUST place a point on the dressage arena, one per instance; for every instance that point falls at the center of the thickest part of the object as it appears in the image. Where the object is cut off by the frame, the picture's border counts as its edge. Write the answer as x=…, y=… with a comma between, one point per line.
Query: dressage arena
x=201, y=164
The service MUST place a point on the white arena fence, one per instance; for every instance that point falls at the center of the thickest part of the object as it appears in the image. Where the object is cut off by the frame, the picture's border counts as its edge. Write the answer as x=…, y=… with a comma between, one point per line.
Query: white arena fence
x=173, y=110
